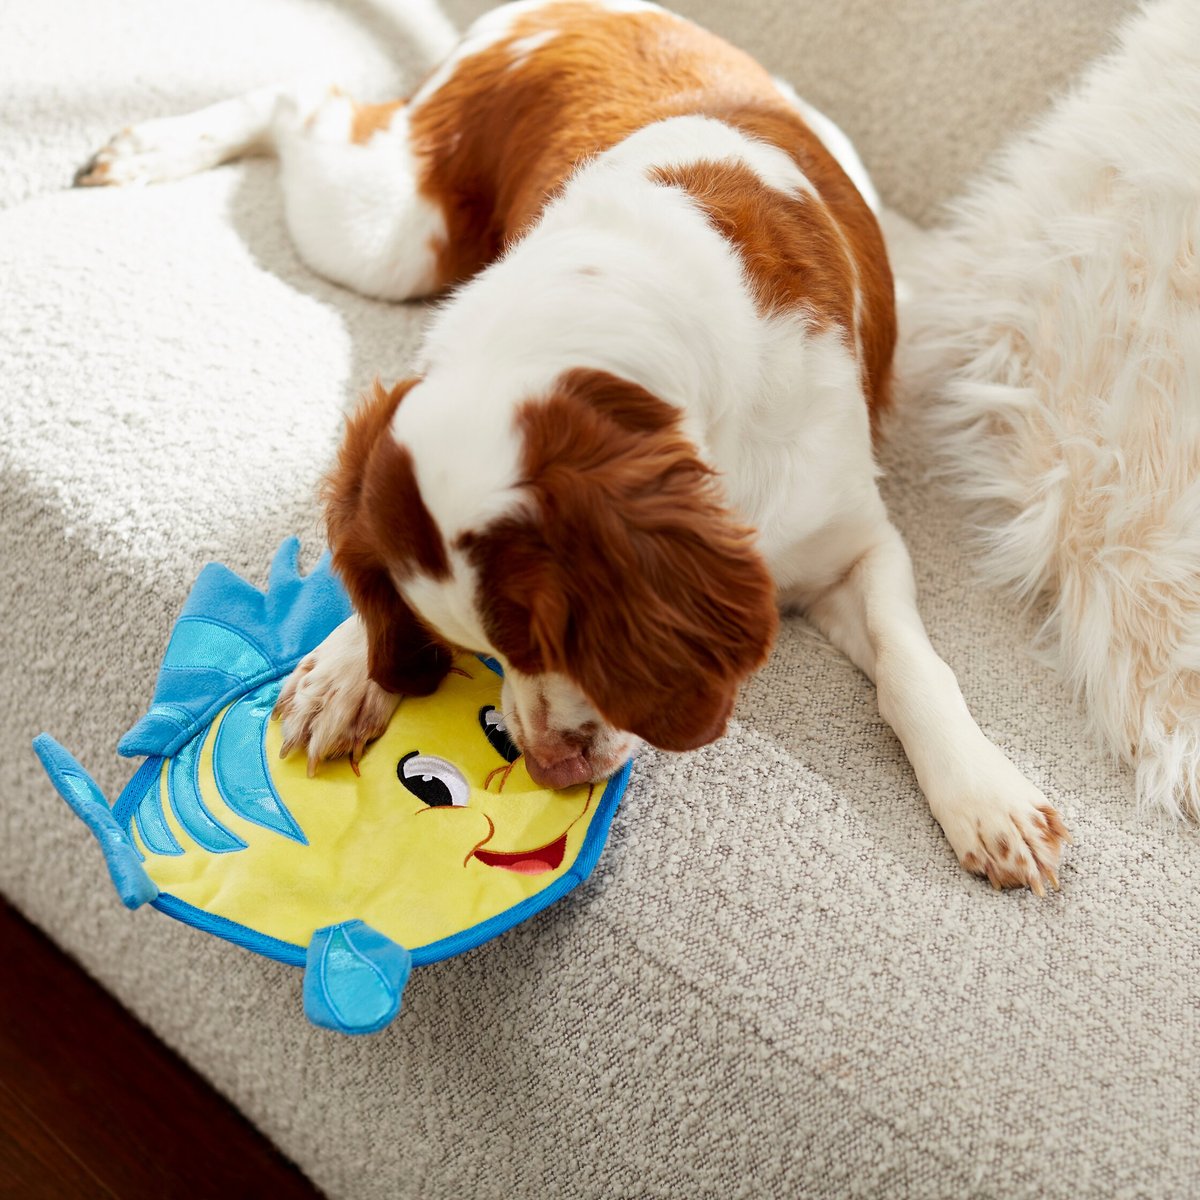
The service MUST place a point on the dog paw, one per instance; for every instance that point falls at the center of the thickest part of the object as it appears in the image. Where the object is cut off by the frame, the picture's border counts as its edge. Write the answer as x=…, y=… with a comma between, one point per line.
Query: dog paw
x=329, y=706
x=1003, y=829
x=154, y=151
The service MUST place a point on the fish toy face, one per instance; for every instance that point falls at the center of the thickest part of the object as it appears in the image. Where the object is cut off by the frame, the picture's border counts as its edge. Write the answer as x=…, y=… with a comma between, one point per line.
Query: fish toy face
x=439, y=841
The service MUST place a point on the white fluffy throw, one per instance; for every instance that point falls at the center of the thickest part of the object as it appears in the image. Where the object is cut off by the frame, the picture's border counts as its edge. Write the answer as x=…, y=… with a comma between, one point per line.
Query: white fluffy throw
x=1057, y=323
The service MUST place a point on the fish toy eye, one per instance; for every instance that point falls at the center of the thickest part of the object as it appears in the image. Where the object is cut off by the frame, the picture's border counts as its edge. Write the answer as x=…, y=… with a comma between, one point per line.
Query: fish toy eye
x=496, y=732
x=433, y=780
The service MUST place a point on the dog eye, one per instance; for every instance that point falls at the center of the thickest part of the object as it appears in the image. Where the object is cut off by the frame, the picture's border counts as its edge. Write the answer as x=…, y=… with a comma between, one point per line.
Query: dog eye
x=433, y=780
x=494, y=729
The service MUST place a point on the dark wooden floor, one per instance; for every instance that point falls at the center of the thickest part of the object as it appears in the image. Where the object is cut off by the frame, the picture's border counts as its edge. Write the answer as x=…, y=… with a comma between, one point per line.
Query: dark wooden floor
x=93, y=1105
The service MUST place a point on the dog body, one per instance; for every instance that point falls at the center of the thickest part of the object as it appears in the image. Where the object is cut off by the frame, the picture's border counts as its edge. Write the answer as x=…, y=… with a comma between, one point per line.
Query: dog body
x=643, y=419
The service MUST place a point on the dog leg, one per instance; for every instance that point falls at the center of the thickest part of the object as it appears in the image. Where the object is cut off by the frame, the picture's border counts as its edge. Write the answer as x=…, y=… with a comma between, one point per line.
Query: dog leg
x=174, y=147
x=350, y=177
x=998, y=823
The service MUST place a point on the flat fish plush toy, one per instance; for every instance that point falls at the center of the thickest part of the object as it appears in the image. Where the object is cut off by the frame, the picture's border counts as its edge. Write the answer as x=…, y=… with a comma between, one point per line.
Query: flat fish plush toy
x=440, y=840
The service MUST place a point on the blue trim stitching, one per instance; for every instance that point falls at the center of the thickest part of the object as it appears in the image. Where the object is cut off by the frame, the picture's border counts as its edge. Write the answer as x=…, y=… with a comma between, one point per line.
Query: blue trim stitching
x=230, y=931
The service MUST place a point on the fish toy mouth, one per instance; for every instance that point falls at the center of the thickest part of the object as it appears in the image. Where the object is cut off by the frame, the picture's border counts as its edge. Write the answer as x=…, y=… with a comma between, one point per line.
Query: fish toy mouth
x=527, y=862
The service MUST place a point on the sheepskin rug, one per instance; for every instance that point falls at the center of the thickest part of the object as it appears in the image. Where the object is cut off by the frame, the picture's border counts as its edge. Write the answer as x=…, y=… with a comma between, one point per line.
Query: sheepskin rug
x=1056, y=325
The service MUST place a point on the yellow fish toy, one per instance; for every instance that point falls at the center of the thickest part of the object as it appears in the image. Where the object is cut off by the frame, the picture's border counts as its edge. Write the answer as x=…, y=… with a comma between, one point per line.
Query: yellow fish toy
x=434, y=842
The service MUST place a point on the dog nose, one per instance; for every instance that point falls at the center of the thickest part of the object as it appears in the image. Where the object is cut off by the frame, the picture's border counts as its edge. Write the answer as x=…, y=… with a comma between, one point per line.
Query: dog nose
x=558, y=771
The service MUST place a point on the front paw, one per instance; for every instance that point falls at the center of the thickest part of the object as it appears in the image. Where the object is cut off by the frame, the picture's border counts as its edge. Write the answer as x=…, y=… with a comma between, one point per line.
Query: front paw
x=329, y=712
x=1003, y=828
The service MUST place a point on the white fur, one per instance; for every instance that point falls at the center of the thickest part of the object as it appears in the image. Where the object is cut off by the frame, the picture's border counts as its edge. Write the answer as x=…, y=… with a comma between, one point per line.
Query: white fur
x=173, y=147
x=523, y=48
x=1059, y=320
x=494, y=26
x=543, y=713
x=354, y=211
x=680, y=141
x=330, y=701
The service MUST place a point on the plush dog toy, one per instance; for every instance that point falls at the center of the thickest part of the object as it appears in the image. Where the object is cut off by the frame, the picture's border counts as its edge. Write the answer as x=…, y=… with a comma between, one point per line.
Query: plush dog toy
x=435, y=841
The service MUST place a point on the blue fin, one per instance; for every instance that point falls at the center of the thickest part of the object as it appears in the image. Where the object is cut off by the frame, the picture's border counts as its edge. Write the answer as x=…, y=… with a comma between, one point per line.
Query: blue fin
x=183, y=788
x=240, y=765
x=151, y=822
x=229, y=638
x=354, y=978
x=78, y=789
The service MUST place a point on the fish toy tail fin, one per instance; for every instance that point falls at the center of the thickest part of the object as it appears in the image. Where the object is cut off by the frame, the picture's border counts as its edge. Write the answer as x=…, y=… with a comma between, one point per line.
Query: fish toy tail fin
x=79, y=790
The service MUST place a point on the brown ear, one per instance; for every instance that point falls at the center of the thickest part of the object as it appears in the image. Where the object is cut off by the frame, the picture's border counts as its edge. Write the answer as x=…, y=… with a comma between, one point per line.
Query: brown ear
x=404, y=657
x=633, y=579
x=690, y=638
x=698, y=615
x=377, y=524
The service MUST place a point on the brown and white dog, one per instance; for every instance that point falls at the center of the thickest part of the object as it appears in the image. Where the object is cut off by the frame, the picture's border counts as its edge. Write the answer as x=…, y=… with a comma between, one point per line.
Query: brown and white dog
x=642, y=420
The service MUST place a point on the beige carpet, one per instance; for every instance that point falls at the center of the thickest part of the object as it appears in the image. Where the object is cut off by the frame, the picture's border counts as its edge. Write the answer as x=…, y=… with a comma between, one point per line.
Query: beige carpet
x=778, y=983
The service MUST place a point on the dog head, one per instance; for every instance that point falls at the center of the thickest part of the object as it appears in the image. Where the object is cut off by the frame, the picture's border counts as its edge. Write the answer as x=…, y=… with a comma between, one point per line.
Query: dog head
x=589, y=551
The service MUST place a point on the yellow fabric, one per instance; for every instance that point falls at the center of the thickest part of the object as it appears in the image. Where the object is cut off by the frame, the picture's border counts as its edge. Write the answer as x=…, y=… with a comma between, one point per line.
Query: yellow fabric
x=375, y=851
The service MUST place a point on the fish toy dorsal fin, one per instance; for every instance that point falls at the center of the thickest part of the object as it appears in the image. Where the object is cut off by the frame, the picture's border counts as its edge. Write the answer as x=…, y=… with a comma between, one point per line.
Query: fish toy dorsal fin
x=230, y=638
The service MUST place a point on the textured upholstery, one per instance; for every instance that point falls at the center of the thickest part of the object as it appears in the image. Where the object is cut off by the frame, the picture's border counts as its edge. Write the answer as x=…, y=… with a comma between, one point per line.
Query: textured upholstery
x=778, y=982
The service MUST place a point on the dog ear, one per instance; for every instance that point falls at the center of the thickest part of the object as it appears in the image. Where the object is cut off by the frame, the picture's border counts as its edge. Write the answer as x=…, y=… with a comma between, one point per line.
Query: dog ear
x=525, y=605
x=628, y=574
x=376, y=524
x=665, y=659
x=403, y=656
x=658, y=621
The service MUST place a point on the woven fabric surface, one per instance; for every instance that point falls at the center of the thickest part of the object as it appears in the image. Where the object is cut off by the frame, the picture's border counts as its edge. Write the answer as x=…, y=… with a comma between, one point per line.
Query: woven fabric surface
x=778, y=982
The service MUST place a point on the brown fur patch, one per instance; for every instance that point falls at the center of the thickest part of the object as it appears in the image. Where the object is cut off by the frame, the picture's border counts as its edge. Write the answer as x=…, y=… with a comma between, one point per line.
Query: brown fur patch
x=629, y=575
x=804, y=253
x=789, y=245
x=379, y=527
x=1026, y=861
x=626, y=404
x=503, y=133
x=369, y=119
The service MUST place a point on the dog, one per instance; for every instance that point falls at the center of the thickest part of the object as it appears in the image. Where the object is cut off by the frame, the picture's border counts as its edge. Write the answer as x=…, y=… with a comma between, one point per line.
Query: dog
x=643, y=421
